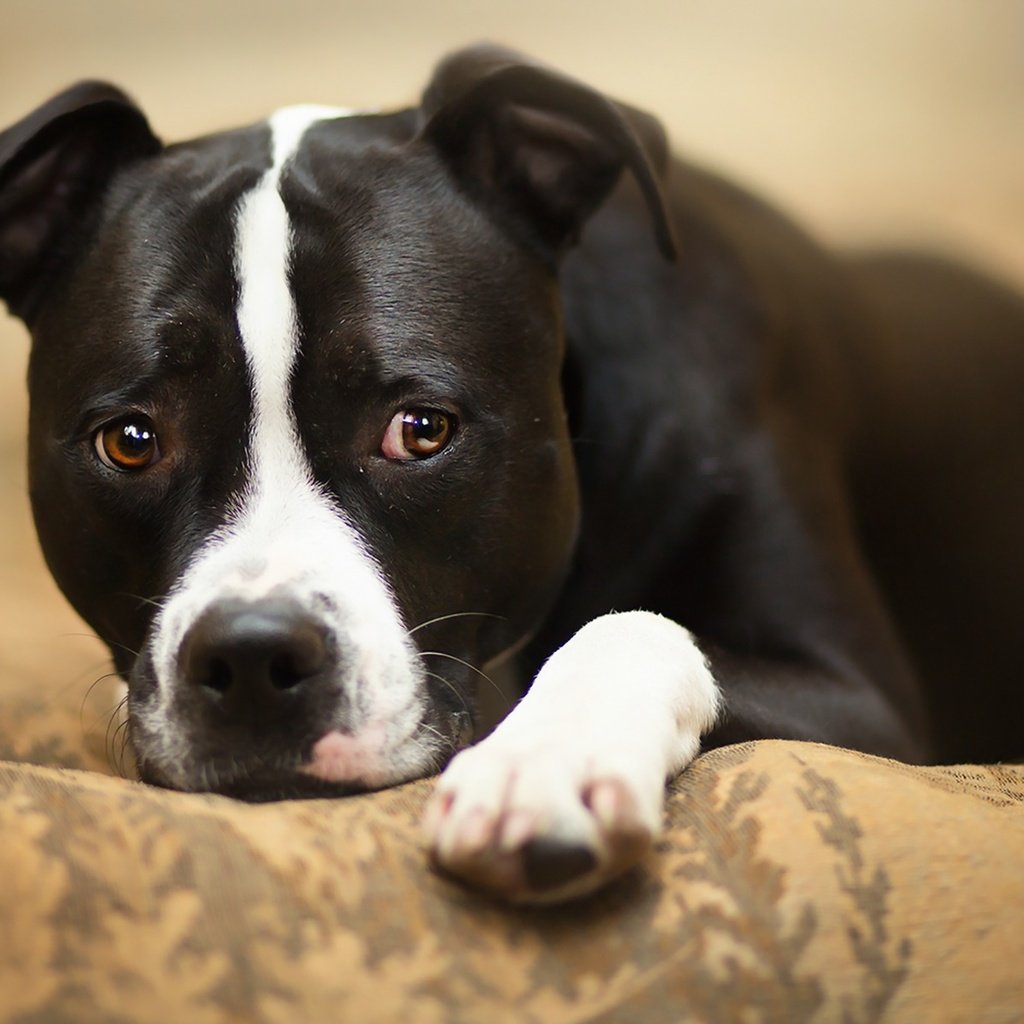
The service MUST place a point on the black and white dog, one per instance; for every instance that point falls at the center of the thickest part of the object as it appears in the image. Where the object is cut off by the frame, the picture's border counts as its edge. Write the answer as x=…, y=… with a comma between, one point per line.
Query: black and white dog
x=333, y=412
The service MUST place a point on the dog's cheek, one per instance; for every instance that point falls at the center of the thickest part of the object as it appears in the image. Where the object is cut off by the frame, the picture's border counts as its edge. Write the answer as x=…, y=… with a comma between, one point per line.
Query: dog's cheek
x=534, y=555
x=523, y=537
x=102, y=581
x=498, y=547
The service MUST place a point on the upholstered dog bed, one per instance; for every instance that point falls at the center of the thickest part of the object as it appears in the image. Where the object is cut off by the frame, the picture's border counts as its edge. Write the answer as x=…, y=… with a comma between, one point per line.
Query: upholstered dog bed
x=793, y=883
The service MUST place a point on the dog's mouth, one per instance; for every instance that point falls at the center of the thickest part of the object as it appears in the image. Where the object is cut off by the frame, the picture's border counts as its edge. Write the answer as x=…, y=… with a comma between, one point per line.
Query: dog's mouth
x=190, y=755
x=266, y=780
x=261, y=785
x=271, y=697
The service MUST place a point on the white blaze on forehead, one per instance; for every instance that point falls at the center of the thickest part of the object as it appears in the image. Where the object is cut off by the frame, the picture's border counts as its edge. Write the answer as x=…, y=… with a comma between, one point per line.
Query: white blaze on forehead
x=266, y=310
x=288, y=530
x=285, y=531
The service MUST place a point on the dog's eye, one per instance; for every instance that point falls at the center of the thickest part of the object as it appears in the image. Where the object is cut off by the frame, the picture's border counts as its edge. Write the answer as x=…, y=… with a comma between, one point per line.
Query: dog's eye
x=417, y=434
x=128, y=444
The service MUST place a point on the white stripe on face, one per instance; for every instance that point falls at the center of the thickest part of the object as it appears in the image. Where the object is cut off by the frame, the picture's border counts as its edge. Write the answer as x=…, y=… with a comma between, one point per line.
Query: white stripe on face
x=266, y=311
x=286, y=534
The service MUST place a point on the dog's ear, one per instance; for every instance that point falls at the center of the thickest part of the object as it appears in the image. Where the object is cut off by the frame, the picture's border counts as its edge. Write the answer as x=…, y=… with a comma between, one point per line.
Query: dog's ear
x=541, y=146
x=54, y=166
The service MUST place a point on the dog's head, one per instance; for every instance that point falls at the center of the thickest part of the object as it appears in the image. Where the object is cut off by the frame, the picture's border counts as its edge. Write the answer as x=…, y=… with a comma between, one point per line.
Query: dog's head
x=298, y=447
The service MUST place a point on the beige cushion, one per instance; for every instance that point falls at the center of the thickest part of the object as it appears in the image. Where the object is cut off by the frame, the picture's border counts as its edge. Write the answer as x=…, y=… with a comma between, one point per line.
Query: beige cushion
x=794, y=882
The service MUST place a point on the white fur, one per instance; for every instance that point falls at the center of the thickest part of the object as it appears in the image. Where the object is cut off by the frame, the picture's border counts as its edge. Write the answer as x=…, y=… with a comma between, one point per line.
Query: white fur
x=583, y=759
x=286, y=533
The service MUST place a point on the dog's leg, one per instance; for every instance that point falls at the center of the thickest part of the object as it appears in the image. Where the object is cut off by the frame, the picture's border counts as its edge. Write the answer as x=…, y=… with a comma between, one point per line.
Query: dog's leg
x=567, y=792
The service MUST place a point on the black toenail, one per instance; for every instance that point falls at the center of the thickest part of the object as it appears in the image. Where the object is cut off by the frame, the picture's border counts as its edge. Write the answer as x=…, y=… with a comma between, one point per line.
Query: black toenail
x=548, y=863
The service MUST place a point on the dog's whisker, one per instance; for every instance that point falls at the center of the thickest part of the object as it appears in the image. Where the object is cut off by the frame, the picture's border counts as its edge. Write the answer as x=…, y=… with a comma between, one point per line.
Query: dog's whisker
x=427, y=727
x=111, y=717
x=464, y=664
x=124, y=647
x=87, y=636
x=119, y=741
x=119, y=751
x=454, y=689
x=110, y=733
x=89, y=691
x=442, y=745
x=107, y=643
x=453, y=615
x=155, y=602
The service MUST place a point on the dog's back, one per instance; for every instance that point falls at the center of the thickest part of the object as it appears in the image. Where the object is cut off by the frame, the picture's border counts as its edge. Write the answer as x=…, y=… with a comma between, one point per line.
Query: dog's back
x=904, y=372
x=937, y=473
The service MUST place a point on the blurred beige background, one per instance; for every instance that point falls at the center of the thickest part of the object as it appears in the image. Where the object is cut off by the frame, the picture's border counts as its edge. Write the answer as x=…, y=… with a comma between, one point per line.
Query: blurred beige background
x=871, y=120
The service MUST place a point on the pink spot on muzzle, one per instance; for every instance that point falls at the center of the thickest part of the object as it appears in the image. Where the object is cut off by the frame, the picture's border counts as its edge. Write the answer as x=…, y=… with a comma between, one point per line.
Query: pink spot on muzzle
x=339, y=757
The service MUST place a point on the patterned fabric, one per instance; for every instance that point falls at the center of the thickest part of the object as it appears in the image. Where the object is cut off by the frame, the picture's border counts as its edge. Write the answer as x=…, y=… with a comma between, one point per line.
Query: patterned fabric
x=794, y=883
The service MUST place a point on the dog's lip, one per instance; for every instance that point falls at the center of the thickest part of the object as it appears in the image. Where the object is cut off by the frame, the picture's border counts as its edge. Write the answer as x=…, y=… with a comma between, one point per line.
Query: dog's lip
x=350, y=764
x=288, y=786
x=258, y=784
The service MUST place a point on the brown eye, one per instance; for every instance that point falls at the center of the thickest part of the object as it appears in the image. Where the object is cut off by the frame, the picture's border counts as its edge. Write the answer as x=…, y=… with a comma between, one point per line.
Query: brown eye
x=128, y=444
x=417, y=434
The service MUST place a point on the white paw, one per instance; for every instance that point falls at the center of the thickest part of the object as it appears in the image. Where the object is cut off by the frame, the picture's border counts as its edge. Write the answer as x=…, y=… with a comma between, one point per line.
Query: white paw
x=533, y=823
x=566, y=793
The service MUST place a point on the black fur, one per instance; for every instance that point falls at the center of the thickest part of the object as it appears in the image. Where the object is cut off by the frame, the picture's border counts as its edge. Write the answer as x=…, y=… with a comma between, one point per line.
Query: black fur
x=814, y=463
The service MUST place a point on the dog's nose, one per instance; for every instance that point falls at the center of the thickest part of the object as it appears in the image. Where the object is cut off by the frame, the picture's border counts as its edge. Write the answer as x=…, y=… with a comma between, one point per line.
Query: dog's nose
x=252, y=658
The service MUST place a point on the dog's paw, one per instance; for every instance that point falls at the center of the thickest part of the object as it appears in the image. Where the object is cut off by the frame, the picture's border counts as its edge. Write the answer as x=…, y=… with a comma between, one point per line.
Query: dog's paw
x=566, y=793
x=533, y=824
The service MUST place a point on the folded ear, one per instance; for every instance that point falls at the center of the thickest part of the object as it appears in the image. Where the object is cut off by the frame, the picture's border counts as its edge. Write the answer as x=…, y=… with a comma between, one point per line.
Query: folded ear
x=54, y=166
x=542, y=147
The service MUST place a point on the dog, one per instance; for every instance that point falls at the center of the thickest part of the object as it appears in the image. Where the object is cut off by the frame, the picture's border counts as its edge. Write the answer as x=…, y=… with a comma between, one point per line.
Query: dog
x=333, y=414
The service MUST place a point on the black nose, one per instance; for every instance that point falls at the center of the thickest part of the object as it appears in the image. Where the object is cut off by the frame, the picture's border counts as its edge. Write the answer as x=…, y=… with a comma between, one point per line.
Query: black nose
x=253, y=659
